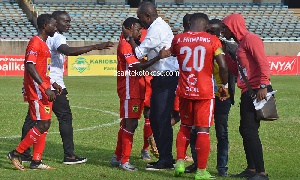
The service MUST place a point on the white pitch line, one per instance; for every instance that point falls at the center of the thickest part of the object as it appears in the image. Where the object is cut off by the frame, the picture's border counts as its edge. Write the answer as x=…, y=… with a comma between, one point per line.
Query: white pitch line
x=83, y=129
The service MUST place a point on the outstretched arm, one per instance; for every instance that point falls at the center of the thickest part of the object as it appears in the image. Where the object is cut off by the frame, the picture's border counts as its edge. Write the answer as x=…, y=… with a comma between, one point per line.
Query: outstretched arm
x=75, y=51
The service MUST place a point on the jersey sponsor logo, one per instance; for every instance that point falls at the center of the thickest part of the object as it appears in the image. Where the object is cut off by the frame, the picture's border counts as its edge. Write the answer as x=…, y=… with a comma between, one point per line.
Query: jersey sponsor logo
x=47, y=109
x=128, y=55
x=81, y=64
x=31, y=52
x=135, y=108
x=191, y=79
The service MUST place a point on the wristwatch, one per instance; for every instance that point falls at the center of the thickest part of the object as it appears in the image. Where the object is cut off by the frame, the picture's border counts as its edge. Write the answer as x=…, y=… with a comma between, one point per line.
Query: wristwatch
x=263, y=86
x=128, y=38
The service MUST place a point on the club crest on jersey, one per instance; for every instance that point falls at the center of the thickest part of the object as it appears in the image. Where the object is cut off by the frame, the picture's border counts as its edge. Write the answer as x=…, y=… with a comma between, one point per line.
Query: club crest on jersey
x=135, y=108
x=47, y=109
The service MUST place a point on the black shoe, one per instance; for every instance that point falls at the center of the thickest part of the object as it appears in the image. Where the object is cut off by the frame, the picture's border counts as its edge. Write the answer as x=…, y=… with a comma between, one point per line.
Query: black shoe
x=39, y=165
x=259, y=177
x=159, y=166
x=26, y=158
x=190, y=169
x=152, y=163
x=76, y=160
x=16, y=160
x=245, y=174
x=223, y=173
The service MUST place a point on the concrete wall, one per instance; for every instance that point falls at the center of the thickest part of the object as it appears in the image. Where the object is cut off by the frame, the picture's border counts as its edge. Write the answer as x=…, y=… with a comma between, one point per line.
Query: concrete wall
x=271, y=48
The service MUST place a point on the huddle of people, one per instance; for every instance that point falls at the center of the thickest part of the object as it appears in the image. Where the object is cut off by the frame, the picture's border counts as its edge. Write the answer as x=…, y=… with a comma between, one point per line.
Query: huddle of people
x=202, y=93
x=208, y=71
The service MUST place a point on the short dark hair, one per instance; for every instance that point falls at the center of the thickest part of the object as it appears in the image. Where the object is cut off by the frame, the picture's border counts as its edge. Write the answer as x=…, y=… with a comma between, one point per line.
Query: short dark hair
x=43, y=19
x=56, y=14
x=186, y=20
x=130, y=21
x=199, y=16
x=216, y=21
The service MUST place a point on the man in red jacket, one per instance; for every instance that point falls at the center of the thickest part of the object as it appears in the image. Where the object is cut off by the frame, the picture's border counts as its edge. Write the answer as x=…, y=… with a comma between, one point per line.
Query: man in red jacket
x=252, y=59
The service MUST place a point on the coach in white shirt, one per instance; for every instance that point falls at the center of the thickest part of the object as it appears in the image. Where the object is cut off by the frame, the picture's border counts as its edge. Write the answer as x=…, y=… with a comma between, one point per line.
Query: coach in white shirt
x=163, y=84
x=61, y=107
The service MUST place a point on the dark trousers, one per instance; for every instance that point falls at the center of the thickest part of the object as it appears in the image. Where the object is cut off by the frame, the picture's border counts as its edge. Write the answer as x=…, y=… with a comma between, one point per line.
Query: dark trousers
x=222, y=109
x=162, y=101
x=221, y=126
x=249, y=131
x=62, y=110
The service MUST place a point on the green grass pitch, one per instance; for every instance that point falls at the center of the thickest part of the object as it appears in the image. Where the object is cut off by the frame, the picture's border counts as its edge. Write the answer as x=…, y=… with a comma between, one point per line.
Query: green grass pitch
x=95, y=107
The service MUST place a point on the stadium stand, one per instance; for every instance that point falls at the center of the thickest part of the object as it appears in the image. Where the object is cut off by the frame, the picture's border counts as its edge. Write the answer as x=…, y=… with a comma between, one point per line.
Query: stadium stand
x=102, y=21
x=14, y=23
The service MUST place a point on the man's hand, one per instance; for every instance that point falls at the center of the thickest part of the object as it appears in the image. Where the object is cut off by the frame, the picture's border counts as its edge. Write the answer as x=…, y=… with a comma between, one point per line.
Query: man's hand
x=50, y=94
x=223, y=93
x=261, y=94
x=57, y=88
x=105, y=45
x=163, y=53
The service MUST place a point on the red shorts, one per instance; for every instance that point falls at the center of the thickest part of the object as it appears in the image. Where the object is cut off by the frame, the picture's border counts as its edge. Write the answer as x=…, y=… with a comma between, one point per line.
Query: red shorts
x=197, y=112
x=148, y=91
x=131, y=108
x=40, y=110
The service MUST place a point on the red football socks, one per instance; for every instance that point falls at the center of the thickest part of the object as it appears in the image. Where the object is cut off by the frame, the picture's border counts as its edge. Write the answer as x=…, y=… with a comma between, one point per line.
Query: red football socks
x=183, y=140
x=127, y=139
x=118, y=150
x=147, y=133
x=39, y=146
x=31, y=137
x=202, y=149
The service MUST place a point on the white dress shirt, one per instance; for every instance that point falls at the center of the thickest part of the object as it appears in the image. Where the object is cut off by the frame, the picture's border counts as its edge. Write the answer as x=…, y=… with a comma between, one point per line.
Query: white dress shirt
x=57, y=59
x=159, y=35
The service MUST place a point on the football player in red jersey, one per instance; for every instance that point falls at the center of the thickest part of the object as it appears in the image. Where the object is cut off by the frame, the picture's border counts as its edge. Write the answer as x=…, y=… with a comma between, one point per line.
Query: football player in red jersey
x=195, y=51
x=131, y=90
x=38, y=93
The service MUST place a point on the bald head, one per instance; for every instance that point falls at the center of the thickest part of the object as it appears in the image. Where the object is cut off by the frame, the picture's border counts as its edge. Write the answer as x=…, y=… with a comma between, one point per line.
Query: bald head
x=147, y=7
x=147, y=13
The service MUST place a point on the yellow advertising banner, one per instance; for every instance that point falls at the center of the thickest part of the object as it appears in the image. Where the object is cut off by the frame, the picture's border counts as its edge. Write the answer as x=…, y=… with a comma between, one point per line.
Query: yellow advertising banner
x=92, y=65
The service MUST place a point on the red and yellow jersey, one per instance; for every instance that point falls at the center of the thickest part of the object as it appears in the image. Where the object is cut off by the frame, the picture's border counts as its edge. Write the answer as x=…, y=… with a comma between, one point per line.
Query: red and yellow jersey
x=195, y=52
x=38, y=53
x=129, y=84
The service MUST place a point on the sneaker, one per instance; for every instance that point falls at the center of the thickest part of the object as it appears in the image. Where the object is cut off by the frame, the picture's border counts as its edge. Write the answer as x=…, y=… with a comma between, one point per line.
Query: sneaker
x=39, y=165
x=179, y=168
x=192, y=168
x=114, y=162
x=159, y=166
x=16, y=160
x=203, y=174
x=223, y=173
x=245, y=174
x=188, y=158
x=128, y=167
x=145, y=155
x=26, y=158
x=153, y=148
x=259, y=177
x=74, y=160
